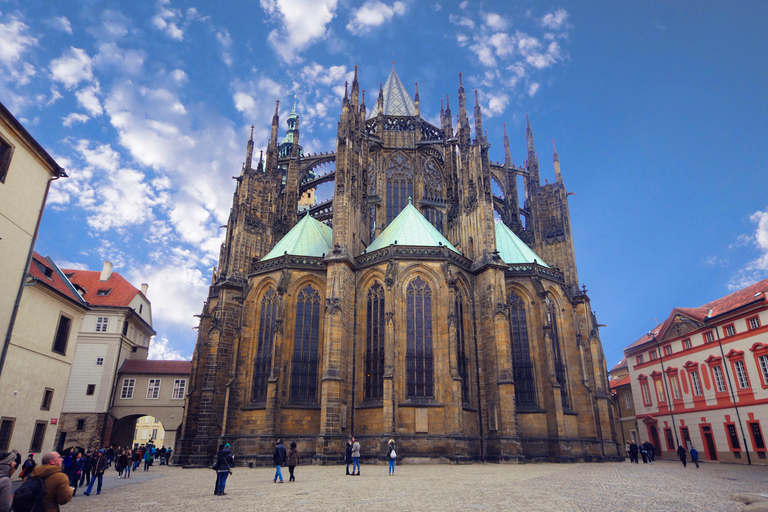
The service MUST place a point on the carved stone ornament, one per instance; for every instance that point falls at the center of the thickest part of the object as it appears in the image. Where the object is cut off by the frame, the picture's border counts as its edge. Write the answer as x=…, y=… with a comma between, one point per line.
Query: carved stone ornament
x=285, y=279
x=399, y=167
x=432, y=152
x=372, y=176
x=433, y=184
x=253, y=224
x=470, y=202
x=389, y=316
x=554, y=233
x=450, y=277
x=391, y=273
x=332, y=305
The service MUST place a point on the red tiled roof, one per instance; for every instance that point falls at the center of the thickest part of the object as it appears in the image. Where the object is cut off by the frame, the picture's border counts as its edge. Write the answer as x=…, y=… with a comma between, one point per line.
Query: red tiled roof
x=156, y=367
x=121, y=292
x=622, y=364
x=55, y=280
x=616, y=383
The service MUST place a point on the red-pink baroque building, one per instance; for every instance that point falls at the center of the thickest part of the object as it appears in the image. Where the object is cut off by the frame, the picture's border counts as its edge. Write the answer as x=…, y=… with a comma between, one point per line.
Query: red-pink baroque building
x=700, y=379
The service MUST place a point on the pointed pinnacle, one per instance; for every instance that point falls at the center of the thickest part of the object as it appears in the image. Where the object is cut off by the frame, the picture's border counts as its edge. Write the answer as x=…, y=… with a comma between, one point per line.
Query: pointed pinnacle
x=461, y=83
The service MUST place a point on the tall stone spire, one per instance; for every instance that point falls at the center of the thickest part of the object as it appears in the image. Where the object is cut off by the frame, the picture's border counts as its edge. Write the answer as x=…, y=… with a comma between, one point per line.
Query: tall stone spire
x=249, y=152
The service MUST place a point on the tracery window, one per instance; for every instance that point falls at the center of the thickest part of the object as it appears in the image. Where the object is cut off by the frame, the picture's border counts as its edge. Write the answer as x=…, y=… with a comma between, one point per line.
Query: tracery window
x=433, y=186
x=399, y=185
x=418, y=355
x=374, y=344
x=306, y=339
x=556, y=351
x=525, y=389
x=435, y=217
x=461, y=347
x=263, y=363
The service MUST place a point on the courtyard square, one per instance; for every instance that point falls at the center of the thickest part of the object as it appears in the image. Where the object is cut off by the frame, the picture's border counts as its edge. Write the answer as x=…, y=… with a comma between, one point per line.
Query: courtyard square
x=663, y=486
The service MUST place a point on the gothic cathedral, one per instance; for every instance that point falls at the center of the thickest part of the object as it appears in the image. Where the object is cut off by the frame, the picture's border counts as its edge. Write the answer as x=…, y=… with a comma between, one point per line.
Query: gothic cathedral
x=420, y=303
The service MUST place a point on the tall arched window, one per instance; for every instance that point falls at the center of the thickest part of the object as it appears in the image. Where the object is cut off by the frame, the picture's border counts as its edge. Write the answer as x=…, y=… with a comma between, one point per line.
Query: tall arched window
x=418, y=354
x=525, y=389
x=263, y=364
x=435, y=217
x=399, y=185
x=556, y=352
x=305, y=342
x=461, y=347
x=374, y=344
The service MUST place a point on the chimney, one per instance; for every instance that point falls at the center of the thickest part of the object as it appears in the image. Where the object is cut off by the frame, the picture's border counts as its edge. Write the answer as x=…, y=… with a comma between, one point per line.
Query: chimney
x=144, y=287
x=106, y=272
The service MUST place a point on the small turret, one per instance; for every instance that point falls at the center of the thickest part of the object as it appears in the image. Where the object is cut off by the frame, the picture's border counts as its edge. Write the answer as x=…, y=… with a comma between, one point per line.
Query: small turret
x=249, y=153
x=556, y=161
x=478, y=120
x=416, y=100
x=462, y=99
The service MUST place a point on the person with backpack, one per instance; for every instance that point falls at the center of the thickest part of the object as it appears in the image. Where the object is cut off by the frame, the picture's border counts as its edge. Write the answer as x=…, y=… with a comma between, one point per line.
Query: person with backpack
x=98, y=466
x=46, y=483
x=224, y=463
x=7, y=467
x=391, y=456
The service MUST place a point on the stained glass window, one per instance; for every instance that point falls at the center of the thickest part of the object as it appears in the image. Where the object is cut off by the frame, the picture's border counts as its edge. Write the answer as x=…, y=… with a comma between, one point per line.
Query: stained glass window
x=374, y=344
x=306, y=339
x=559, y=364
x=525, y=389
x=461, y=348
x=399, y=186
x=435, y=217
x=263, y=364
x=418, y=356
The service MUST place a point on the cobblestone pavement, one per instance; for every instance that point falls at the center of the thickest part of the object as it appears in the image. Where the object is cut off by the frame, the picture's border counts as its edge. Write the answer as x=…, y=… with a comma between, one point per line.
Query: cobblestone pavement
x=663, y=486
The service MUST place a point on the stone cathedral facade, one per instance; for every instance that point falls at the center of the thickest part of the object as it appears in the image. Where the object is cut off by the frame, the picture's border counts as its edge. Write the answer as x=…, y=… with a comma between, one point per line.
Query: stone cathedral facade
x=402, y=307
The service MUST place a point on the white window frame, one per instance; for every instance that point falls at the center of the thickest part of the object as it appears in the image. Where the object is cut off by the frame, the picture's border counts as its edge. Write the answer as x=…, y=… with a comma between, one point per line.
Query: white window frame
x=674, y=383
x=640, y=359
x=662, y=396
x=754, y=322
x=668, y=350
x=102, y=323
x=651, y=355
x=646, y=390
x=741, y=374
x=709, y=337
x=695, y=383
x=730, y=330
x=717, y=372
x=686, y=343
x=764, y=367
x=128, y=386
x=153, y=389
x=628, y=401
x=179, y=389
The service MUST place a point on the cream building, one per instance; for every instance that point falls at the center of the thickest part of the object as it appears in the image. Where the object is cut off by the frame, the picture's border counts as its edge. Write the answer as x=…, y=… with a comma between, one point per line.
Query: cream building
x=39, y=359
x=117, y=328
x=149, y=429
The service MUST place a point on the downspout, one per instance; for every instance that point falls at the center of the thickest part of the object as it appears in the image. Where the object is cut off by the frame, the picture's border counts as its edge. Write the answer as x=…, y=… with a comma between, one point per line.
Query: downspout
x=666, y=390
x=17, y=303
x=477, y=372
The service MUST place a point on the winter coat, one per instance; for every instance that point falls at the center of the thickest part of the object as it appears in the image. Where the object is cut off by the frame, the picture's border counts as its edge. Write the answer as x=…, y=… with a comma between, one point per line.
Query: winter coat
x=293, y=457
x=278, y=456
x=6, y=487
x=348, y=454
x=100, y=465
x=694, y=454
x=224, y=461
x=76, y=468
x=57, y=491
x=87, y=463
x=390, y=449
x=27, y=468
x=355, y=449
x=681, y=452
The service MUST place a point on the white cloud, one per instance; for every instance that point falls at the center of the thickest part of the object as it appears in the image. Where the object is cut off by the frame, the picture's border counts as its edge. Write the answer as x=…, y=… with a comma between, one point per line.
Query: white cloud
x=62, y=23
x=461, y=21
x=129, y=61
x=495, y=21
x=303, y=23
x=555, y=20
x=497, y=103
x=532, y=88
x=14, y=41
x=74, y=118
x=225, y=40
x=756, y=269
x=372, y=14
x=159, y=350
x=88, y=99
x=180, y=76
x=164, y=20
x=72, y=67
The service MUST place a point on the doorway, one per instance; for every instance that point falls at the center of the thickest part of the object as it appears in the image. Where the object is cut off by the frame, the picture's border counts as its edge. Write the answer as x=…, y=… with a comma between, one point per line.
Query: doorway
x=709, y=442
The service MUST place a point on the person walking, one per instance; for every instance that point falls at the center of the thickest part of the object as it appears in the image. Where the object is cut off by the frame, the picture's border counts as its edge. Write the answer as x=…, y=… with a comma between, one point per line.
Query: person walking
x=650, y=451
x=128, y=463
x=28, y=466
x=355, y=456
x=279, y=456
x=57, y=489
x=85, y=476
x=391, y=456
x=76, y=471
x=348, y=454
x=7, y=467
x=99, y=466
x=136, y=458
x=293, y=461
x=626, y=449
x=225, y=461
x=682, y=453
x=633, y=449
x=147, y=459
x=695, y=456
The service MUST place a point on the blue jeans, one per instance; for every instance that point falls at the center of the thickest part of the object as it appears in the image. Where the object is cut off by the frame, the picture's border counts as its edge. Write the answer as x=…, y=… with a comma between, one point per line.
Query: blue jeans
x=90, y=485
x=278, y=474
x=128, y=470
x=391, y=465
x=222, y=481
x=355, y=464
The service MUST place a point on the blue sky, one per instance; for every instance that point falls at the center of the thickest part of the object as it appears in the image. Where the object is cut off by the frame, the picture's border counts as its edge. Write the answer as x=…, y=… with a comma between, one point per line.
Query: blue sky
x=659, y=111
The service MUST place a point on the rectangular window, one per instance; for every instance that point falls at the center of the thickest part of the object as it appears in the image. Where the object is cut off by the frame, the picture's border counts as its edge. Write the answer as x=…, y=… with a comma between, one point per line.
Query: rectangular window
x=686, y=343
x=179, y=387
x=154, y=433
x=719, y=382
x=646, y=393
x=730, y=330
x=652, y=355
x=670, y=439
x=127, y=392
x=753, y=322
x=91, y=389
x=741, y=374
x=99, y=361
x=81, y=424
x=38, y=437
x=674, y=383
x=101, y=323
x=660, y=391
x=708, y=337
x=695, y=383
x=6, y=431
x=153, y=389
x=62, y=336
x=731, y=428
x=628, y=401
x=764, y=368
x=757, y=436
x=47, y=399
x=668, y=350
x=6, y=151
x=640, y=359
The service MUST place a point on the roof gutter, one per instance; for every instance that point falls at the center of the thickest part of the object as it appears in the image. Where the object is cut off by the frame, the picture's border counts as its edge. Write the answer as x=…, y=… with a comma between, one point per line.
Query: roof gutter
x=709, y=316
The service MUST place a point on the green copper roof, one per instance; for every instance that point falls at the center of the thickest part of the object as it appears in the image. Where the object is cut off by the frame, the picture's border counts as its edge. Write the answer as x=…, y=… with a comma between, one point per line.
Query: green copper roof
x=513, y=250
x=410, y=228
x=307, y=238
x=397, y=101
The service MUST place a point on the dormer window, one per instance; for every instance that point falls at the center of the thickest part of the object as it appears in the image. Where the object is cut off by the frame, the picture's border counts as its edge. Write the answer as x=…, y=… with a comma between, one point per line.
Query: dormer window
x=47, y=272
x=104, y=291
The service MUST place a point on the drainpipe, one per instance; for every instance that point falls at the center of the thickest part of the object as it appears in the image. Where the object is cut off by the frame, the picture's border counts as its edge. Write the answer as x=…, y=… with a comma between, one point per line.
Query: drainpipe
x=666, y=390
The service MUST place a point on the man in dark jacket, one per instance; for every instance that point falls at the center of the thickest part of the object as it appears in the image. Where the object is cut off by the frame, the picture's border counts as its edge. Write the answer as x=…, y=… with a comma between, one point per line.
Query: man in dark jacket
x=85, y=477
x=682, y=453
x=99, y=466
x=348, y=454
x=279, y=456
x=57, y=489
x=75, y=471
x=633, y=450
